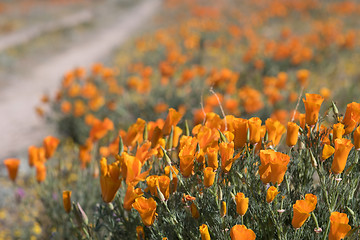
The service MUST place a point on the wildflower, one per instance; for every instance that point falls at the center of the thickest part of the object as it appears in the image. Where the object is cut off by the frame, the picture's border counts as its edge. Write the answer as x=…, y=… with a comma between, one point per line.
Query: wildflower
x=152, y=182
x=50, y=145
x=12, y=165
x=275, y=130
x=140, y=233
x=207, y=137
x=212, y=154
x=135, y=133
x=40, y=172
x=239, y=232
x=164, y=185
x=131, y=169
x=171, y=121
x=273, y=166
x=66, y=107
x=312, y=107
x=292, y=134
x=174, y=173
x=177, y=133
x=338, y=130
x=223, y=209
x=240, y=132
x=209, y=177
x=33, y=155
x=342, y=150
x=302, y=76
x=357, y=138
x=271, y=194
x=109, y=180
x=204, y=231
x=146, y=209
x=328, y=150
x=254, y=127
x=131, y=195
x=242, y=203
x=226, y=153
x=352, y=117
x=187, y=165
x=325, y=92
x=194, y=211
x=100, y=128
x=302, y=210
x=187, y=198
x=67, y=200
x=339, y=226
x=302, y=120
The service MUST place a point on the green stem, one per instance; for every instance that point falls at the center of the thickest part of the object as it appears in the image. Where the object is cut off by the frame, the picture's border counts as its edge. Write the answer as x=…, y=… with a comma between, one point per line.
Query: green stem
x=315, y=220
x=326, y=231
x=279, y=228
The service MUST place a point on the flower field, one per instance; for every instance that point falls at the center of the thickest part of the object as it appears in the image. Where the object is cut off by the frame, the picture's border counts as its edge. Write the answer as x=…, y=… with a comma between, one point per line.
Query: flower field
x=224, y=120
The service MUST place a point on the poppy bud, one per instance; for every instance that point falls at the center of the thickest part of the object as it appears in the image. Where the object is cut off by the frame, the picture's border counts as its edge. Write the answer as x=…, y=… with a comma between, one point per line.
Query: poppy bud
x=292, y=134
x=209, y=177
x=242, y=203
x=271, y=194
x=204, y=231
x=67, y=200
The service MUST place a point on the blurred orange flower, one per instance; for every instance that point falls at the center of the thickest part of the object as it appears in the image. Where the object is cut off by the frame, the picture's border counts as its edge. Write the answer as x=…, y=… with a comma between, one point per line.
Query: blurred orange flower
x=50, y=144
x=100, y=129
x=67, y=201
x=12, y=165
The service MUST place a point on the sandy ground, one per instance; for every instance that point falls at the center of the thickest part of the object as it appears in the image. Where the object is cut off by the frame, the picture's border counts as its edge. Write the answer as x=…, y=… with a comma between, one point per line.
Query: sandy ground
x=20, y=126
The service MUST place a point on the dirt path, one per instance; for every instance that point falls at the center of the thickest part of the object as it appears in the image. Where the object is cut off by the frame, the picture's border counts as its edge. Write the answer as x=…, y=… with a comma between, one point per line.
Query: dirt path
x=20, y=127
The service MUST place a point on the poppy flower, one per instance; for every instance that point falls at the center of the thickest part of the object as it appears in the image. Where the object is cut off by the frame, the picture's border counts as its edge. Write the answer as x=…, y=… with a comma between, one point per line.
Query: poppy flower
x=204, y=231
x=302, y=210
x=239, y=232
x=146, y=208
x=312, y=107
x=67, y=200
x=242, y=203
x=339, y=226
x=271, y=194
x=343, y=147
x=12, y=165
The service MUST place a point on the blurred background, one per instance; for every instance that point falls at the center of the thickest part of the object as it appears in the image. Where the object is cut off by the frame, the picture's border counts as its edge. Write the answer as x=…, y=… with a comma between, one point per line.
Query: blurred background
x=41, y=40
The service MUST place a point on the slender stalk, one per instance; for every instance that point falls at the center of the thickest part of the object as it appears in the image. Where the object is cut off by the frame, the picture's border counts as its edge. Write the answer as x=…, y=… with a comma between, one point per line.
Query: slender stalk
x=326, y=231
x=278, y=227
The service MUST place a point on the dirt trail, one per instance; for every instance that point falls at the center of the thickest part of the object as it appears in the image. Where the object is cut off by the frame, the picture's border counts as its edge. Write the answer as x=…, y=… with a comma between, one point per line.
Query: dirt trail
x=20, y=126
